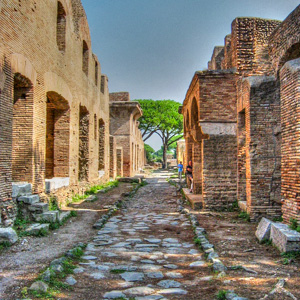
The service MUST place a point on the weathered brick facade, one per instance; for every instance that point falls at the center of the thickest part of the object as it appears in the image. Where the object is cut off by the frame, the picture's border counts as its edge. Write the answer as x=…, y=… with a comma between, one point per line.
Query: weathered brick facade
x=124, y=115
x=264, y=54
x=209, y=111
x=51, y=98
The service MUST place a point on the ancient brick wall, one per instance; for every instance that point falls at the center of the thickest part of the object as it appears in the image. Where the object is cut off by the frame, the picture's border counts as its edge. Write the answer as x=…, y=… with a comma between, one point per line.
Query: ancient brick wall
x=227, y=60
x=119, y=96
x=259, y=147
x=124, y=127
x=290, y=115
x=284, y=42
x=120, y=161
x=112, y=157
x=249, y=45
x=39, y=40
x=209, y=111
x=219, y=171
x=216, y=59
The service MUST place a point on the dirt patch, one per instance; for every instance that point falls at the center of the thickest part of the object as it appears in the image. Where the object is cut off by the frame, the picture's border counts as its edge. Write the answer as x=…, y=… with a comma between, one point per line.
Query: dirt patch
x=21, y=263
x=236, y=244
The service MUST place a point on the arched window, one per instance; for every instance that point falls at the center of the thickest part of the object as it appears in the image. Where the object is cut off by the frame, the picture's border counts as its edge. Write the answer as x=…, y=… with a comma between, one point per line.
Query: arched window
x=194, y=113
x=85, y=58
x=61, y=27
x=292, y=53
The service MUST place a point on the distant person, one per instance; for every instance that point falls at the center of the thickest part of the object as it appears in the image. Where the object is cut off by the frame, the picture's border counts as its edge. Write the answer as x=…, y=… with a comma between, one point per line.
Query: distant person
x=189, y=174
x=180, y=169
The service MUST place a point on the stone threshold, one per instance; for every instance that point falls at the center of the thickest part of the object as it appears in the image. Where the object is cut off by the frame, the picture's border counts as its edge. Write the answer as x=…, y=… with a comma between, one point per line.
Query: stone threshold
x=196, y=200
x=56, y=183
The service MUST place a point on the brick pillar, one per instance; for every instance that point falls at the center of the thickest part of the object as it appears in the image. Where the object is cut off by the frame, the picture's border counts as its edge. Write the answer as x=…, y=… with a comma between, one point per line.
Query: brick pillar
x=120, y=161
x=197, y=167
x=112, y=157
x=290, y=161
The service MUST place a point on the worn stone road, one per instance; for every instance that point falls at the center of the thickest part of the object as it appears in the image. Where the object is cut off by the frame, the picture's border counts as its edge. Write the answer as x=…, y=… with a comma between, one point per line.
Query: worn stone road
x=144, y=252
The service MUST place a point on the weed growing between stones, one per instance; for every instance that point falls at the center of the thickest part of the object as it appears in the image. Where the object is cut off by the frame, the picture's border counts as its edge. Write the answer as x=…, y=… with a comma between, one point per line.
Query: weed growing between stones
x=53, y=204
x=266, y=242
x=294, y=224
x=221, y=295
x=245, y=216
x=117, y=271
x=53, y=279
x=290, y=257
x=4, y=245
x=277, y=219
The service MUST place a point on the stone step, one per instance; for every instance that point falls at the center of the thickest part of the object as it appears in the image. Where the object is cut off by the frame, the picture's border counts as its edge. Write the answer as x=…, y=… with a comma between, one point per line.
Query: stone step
x=29, y=199
x=49, y=216
x=39, y=207
x=35, y=229
x=63, y=215
x=21, y=189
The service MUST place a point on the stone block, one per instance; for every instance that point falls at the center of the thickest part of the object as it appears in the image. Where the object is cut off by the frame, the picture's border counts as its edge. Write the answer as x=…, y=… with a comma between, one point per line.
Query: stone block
x=56, y=183
x=35, y=229
x=39, y=207
x=21, y=189
x=63, y=215
x=8, y=235
x=29, y=199
x=284, y=238
x=130, y=179
x=263, y=230
x=49, y=216
x=243, y=205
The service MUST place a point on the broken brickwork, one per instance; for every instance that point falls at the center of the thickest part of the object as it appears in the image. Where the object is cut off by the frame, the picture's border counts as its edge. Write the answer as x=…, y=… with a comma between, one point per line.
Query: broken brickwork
x=209, y=111
x=47, y=77
x=263, y=54
x=124, y=115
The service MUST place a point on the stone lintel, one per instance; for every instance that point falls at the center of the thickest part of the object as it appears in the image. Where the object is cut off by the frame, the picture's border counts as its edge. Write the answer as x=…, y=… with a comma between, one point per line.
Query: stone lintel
x=293, y=65
x=219, y=128
x=256, y=81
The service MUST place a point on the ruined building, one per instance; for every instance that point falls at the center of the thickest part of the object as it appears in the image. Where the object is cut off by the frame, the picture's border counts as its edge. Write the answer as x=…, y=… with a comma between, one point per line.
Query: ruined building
x=54, y=100
x=124, y=114
x=241, y=122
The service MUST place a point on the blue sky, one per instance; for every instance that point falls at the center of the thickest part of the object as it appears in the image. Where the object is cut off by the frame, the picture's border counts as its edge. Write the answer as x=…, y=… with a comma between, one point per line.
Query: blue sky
x=152, y=48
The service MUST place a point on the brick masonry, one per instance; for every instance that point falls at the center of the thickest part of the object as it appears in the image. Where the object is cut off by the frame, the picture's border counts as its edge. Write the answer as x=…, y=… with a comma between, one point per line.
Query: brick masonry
x=264, y=56
x=124, y=115
x=37, y=68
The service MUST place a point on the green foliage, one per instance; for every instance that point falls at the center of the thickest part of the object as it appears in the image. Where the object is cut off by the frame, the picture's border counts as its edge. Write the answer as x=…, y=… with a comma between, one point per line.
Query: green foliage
x=4, y=245
x=161, y=117
x=266, y=242
x=94, y=190
x=277, y=219
x=73, y=213
x=221, y=295
x=149, y=152
x=53, y=204
x=77, y=252
x=117, y=271
x=244, y=215
x=294, y=224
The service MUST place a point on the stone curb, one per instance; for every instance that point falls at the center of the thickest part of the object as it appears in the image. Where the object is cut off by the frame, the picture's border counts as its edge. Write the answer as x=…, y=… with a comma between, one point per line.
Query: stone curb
x=208, y=248
x=115, y=207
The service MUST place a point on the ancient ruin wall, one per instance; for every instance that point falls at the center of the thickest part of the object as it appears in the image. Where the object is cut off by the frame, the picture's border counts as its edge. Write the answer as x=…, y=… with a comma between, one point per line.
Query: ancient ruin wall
x=42, y=57
x=284, y=43
x=290, y=116
x=249, y=45
x=261, y=105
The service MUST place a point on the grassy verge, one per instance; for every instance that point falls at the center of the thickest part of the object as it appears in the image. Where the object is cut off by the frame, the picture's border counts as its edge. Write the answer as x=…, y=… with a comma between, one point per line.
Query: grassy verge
x=94, y=190
x=56, y=280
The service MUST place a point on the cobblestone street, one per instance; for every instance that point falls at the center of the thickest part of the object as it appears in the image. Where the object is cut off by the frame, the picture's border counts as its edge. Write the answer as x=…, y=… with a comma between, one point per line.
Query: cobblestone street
x=145, y=252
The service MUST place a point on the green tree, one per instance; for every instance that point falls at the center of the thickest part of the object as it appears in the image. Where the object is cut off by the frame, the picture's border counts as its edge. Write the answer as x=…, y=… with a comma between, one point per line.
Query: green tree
x=161, y=117
x=149, y=152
